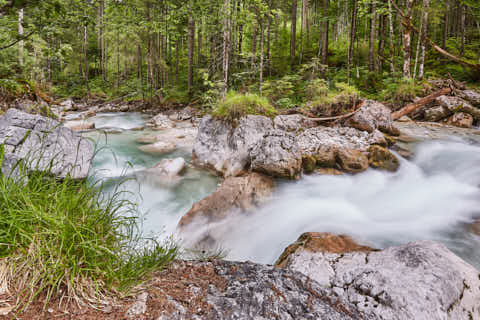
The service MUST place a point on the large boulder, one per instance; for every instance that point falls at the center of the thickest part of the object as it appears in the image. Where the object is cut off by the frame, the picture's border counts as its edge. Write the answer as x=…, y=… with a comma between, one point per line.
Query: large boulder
x=436, y=113
x=79, y=125
x=227, y=290
x=224, y=147
x=352, y=161
x=234, y=194
x=44, y=144
x=293, y=123
x=168, y=167
x=373, y=115
x=471, y=96
x=159, y=147
x=277, y=154
x=456, y=104
x=420, y=280
x=461, y=120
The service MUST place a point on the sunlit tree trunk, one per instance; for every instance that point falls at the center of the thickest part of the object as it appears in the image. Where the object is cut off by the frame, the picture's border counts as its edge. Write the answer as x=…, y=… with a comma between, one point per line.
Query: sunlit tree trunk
x=426, y=5
x=20, y=34
x=407, y=39
x=293, y=35
x=352, y=38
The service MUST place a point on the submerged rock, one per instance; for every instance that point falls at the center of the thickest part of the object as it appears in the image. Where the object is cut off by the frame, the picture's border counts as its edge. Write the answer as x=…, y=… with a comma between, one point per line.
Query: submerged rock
x=168, y=167
x=159, y=147
x=44, y=144
x=382, y=158
x=79, y=125
x=225, y=147
x=373, y=115
x=277, y=154
x=234, y=194
x=461, y=120
x=420, y=280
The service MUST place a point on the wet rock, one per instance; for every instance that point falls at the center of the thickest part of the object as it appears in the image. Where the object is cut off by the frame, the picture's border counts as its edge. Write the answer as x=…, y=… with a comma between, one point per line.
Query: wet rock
x=79, y=125
x=372, y=115
x=234, y=194
x=436, y=113
x=405, y=119
x=461, y=120
x=471, y=96
x=309, y=164
x=44, y=143
x=382, y=158
x=293, y=123
x=456, y=104
x=168, y=167
x=277, y=154
x=159, y=147
x=321, y=242
x=420, y=280
x=161, y=122
x=225, y=147
x=328, y=172
x=68, y=105
x=352, y=161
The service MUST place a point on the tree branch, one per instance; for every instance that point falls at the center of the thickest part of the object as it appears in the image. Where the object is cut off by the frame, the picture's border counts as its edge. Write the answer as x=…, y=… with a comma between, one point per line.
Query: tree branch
x=17, y=41
x=443, y=52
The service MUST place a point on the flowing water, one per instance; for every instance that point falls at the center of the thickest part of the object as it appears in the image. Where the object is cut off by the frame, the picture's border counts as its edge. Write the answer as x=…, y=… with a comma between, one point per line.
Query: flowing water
x=433, y=196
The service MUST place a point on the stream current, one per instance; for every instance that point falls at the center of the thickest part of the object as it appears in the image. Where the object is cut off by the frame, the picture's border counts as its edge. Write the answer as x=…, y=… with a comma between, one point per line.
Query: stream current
x=434, y=196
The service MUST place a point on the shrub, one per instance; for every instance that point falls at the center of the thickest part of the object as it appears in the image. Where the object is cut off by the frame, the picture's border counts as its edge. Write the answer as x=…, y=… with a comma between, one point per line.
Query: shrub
x=236, y=105
x=343, y=98
x=398, y=93
x=316, y=88
x=67, y=239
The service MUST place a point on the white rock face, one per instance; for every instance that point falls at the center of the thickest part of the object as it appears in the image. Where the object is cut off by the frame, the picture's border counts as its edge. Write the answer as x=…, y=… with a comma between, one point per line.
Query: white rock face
x=277, y=154
x=45, y=145
x=224, y=147
x=373, y=115
x=293, y=123
x=421, y=280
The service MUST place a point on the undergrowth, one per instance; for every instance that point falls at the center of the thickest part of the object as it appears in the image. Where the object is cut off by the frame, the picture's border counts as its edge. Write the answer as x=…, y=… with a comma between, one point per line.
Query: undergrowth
x=67, y=239
x=236, y=105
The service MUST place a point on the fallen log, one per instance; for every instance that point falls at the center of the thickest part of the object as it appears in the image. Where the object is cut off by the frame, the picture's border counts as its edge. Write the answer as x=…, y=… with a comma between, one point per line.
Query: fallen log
x=344, y=116
x=420, y=103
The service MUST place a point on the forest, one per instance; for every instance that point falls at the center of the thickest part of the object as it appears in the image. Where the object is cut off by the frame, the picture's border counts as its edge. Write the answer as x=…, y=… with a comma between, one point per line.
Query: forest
x=194, y=52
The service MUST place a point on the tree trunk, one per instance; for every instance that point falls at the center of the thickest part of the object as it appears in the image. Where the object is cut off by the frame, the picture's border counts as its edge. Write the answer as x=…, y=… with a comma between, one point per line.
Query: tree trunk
x=392, y=49
x=191, y=48
x=226, y=45
x=325, y=33
x=407, y=39
x=462, y=31
x=426, y=5
x=371, y=57
x=381, y=42
x=254, y=47
x=20, y=34
x=445, y=25
x=293, y=35
x=262, y=43
x=352, y=38
x=85, y=47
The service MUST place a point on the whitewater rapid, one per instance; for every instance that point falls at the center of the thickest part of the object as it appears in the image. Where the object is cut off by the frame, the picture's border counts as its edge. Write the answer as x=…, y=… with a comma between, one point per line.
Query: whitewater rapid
x=435, y=196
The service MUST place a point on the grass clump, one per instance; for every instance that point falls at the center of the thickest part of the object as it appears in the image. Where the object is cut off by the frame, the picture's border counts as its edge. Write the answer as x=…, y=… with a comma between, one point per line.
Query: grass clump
x=236, y=105
x=68, y=240
x=341, y=99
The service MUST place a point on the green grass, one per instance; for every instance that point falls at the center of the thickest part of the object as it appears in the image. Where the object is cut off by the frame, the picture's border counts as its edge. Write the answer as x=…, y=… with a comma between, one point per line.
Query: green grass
x=236, y=105
x=68, y=239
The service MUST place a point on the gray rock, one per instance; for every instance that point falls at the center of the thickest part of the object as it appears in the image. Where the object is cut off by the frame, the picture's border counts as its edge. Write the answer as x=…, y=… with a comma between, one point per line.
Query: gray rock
x=182, y=115
x=159, y=147
x=372, y=115
x=437, y=113
x=420, y=280
x=161, y=122
x=225, y=148
x=139, y=307
x=44, y=144
x=471, y=96
x=249, y=291
x=68, y=105
x=79, y=125
x=456, y=104
x=293, y=123
x=461, y=120
x=277, y=154
x=168, y=167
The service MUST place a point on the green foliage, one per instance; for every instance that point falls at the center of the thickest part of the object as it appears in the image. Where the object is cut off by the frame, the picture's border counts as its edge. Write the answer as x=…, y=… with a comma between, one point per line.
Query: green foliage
x=400, y=92
x=337, y=101
x=236, y=105
x=316, y=89
x=67, y=236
